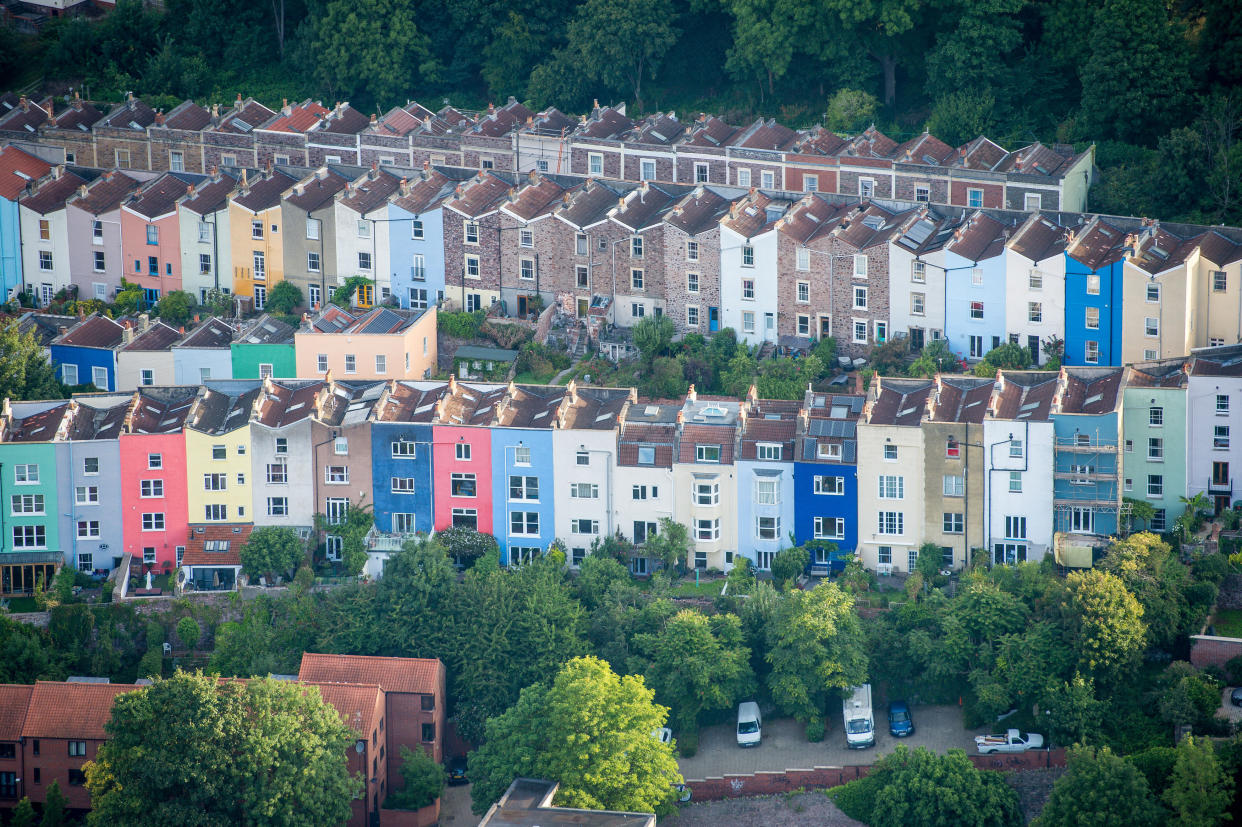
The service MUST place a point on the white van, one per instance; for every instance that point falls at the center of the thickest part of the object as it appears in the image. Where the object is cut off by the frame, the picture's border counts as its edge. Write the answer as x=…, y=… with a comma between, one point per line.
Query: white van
x=859, y=725
x=749, y=724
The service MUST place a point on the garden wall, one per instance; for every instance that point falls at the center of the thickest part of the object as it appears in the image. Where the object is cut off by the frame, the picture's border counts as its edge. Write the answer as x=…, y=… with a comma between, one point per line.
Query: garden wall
x=771, y=783
x=424, y=817
x=1208, y=650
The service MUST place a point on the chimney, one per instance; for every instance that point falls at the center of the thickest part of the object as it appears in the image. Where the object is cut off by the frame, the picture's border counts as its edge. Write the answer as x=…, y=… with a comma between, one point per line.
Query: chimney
x=595, y=104
x=82, y=191
x=692, y=395
x=159, y=118
x=238, y=102
x=215, y=111
x=144, y=322
x=245, y=186
x=491, y=107
x=374, y=119
x=24, y=104
x=127, y=334
x=426, y=166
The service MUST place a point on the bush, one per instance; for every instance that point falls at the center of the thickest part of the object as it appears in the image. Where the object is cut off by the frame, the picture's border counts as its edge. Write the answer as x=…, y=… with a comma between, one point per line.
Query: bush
x=424, y=781
x=1233, y=669
x=688, y=743
x=107, y=591
x=461, y=325
x=188, y=632
x=816, y=729
x=788, y=564
x=1156, y=764
x=509, y=336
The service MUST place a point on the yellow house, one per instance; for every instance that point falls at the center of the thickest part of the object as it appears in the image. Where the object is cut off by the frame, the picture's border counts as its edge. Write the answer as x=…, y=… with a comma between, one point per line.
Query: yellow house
x=217, y=461
x=255, y=235
x=381, y=343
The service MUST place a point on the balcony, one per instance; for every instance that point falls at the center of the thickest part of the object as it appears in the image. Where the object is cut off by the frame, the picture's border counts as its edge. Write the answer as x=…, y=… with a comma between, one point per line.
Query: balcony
x=1081, y=478
x=1089, y=446
x=1220, y=486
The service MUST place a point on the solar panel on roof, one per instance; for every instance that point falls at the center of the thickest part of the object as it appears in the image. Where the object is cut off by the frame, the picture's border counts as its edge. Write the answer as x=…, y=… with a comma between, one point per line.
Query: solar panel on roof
x=920, y=231
x=384, y=321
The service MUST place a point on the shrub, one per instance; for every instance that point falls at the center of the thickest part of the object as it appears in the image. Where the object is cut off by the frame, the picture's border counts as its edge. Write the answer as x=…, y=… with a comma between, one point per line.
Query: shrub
x=1156, y=764
x=188, y=632
x=816, y=729
x=510, y=336
x=461, y=325
x=688, y=743
x=424, y=781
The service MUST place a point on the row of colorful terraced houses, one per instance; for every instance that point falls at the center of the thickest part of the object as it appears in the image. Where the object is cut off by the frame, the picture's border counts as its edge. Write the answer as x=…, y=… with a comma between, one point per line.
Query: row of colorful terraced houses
x=1027, y=464
x=774, y=267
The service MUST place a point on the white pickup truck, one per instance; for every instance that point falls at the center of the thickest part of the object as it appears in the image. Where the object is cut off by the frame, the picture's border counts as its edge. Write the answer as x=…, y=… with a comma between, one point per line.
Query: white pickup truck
x=1012, y=741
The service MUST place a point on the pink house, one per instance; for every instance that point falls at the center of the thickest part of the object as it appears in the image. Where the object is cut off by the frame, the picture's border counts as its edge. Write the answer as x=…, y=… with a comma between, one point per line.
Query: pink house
x=462, y=455
x=151, y=234
x=154, y=502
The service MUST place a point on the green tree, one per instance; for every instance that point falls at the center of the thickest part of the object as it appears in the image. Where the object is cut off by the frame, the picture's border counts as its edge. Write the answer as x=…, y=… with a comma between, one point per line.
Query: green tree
x=741, y=576
x=175, y=307
x=671, y=544
x=55, y=807
x=765, y=36
x=596, y=576
x=24, y=814
x=422, y=779
x=652, y=337
x=1009, y=356
x=188, y=632
x=961, y=116
x=930, y=562
x=815, y=648
x=284, y=298
x=130, y=298
x=372, y=51
x=353, y=531
x=344, y=295
x=1099, y=789
x=878, y=26
x=1199, y=793
x=850, y=111
x=695, y=664
x=1076, y=716
x=1106, y=625
x=192, y=748
x=621, y=42
x=465, y=545
x=272, y=550
x=591, y=731
x=976, y=53
x=788, y=565
x=935, y=357
x=24, y=371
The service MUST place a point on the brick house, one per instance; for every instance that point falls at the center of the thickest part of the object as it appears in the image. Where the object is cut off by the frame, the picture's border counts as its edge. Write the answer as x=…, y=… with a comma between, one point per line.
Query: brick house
x=692, y=261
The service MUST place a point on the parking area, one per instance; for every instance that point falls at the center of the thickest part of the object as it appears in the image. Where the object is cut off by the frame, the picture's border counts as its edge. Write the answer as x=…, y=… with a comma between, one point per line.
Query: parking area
x=784, y=746
x=455, y=807
x=1227, y=710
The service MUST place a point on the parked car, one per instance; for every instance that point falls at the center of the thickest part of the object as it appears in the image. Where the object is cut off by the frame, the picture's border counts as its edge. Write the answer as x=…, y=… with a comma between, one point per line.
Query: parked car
x=749, y=724
x=900, y=724
x=1011, y=741
x=1235, y=697
x=457, y=771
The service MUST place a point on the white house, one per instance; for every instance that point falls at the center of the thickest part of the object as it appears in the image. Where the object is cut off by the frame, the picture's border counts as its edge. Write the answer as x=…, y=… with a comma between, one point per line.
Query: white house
x=1035, y=283
x=642, y=481
x=206, y=244
x=1213, y=411
x=362, y=240
x=748, y=268
x=45, y=234
x=1019, y=444
x=916, y=270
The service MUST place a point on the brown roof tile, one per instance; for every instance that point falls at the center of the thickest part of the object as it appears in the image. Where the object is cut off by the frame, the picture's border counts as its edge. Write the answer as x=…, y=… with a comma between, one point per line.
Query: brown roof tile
x=660, y=128
x=960, y=399
x=1164, y=373
x=1039, y=238
x=317, y=189
x=245, y=117
x=93, y=331
x=1089, y=390
x=14, y=701
x=286, y=402
x=643, y=207
x=370, y=191
x=133, y=114
x=811, y=217
x=19, y=170
x=709, y=131
x=897, y=401
x=1216, y=361
x=265, y=193
x=77, y=711
x=870, y=143
x=480, y=195
x=550, y=121
x=539, y=196
x=698, y=212
x=765, y=135
x=1024, y=394
x=980, y=238
x=1219, y=250
x=356, y=704
x=979, y=153
x=159, y=336
x=51, y=193
x=26, y=117
x=212, y=333
x=80, y=116
x=234, y=535
x=160, y=197
x=188, y=116
x=530, y=406
x=1098, y=245
x=469, y=404
x=504, y=120
x=604, y=123
x=925, y=149
x=160, y=410
x=588, y=205
x=210, y=195
x=409, y=402
x=413, y=675
x=633, y=435
x=105, y=193
x=693, y=436
x=343, y=120
x=749, y=215
x=298, y=117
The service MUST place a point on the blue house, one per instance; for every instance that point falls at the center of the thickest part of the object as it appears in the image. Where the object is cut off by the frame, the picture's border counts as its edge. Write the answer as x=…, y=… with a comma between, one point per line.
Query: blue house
x=18, y=170
x=1086, y=421
x=401, y=459
x=416, y=239
x=975, y=287
x=1094, y=263
x=85, y=354
x=825, y=475
x=523, y=472
x=765, y=477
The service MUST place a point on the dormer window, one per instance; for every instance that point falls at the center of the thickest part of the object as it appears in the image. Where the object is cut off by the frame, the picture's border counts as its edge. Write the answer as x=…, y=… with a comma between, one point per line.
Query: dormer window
x=768, y=451
x=828, y=451
x=707, y=453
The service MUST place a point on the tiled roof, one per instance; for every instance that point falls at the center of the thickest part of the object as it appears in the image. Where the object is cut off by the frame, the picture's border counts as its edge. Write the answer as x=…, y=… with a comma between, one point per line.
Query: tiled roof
x=604, y=123
x=212, y=333
x=187, y=115
x=765, y=135
x=265, y=193
x=285, y=402
x=317, y=189
x=409, y=402
x=133, y=114
x=504, y=120
x=415, y=675
x=14, y=701
x=925, y=149
x=429, y=189
x=160, y=410
x=594, y=408
x=265, y=331
x=80, y=115
x=530, y=406
x=709, y=131
x=693, y=436
x=45, y=326
x=750, y=215
x=39, y=426
x=371, y=191
x=1089, y=390
x=52, y=193
x=643, y=206
x=588, y=205
x=871, y=143
x=770, y=420
x=26, y=117
x=158, y=336
x=539, y=196
x=1217, y=361
x=979, y=153
x=210, y=195
x=1098, y=245
x=660, y=128
x=245, y=117
x=377, y=321
x=91, y=422
x=105, y=194
x=551, y=121
x=1219, y=250
x=18, y=170
x=819, y=141
x=698, y=212
x=75, y=711
x=218, y=412
x=480, y=195
x=1024, y=394
x=1160, y=250
x=980, y=238
x=869, y=227
x=297, y=117
x=633, y=435
x=235, y=536
x=1039, y=238
x=960, y=399
x=93, y=331
x=1164, y=373
x=469, y=404
x=161, y=195
x=898, y=401
x=356, y=704
x=343, y=119
x=811, y=217
x=1036, y=159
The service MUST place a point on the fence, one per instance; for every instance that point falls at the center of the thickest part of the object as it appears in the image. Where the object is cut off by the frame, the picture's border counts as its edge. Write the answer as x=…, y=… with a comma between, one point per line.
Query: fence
x=772, y=783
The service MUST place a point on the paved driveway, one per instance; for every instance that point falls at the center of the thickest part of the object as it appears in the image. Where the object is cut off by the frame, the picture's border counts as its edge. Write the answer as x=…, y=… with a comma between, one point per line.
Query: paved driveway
x=455, y=808
x=939, y=728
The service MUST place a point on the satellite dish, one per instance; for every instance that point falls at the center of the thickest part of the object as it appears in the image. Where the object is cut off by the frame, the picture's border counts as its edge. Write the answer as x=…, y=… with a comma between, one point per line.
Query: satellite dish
x=359, y=746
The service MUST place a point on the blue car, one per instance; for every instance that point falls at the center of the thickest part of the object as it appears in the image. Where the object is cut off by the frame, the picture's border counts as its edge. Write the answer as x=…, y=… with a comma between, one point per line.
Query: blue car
x=900, y=724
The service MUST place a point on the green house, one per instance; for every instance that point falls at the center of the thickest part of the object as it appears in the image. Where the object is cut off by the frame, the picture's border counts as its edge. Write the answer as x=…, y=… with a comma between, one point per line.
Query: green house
x=264, y=347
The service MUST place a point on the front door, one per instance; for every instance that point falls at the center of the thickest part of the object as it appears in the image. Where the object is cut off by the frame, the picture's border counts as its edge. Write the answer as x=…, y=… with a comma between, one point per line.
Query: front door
x=583, y=306
x=825, y=327
x=1032, y=344
x=713, y=319
x=916, y=338
x=522, y=305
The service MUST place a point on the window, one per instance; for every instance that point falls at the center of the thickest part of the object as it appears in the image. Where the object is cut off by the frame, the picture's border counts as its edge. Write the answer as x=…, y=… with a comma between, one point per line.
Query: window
x=463, y=485
x=581, y=526
x=312, y=262
x=768, y=451
x=45, y=260
x=707, y=531
x=767, y=492
x=646, y=455
x=146, y=377
x=1151, y=326
x=526, y=238
x=215, y=482
x=1220, y=437
x=1222, y=403
x=767, y=179
x=155, y=461
x=891, y=522
x=866, y=187
x=472, y=267
x=636, y=279
x=26, y=474
x=278, y=506
x=100, y=261
x=150, y=489
x=463, y=450
x=1015, y=448
x=706, y=493
x=918, y=303
x=470, y=232
x=1158, y=520
x=1015, y=482
x=860, y=298
x=974, y=197
x=524, y=522
x=29, y=536
x=351, y=363
x=890, y=452
x=1015, y=528
x=260, y=265
x=99, y=377
x=647, y=169
x=804, y=325
x=636, y=246
x=90, y=466
x=891, y=487
x=69, y=374
x=804, y=259
x=1093, y=285
x=829, y=528
x=954, y=485
x=1220, y=281
x=584, y=491
x=860, y=331
x=429, y=730
x=336, y=474
x=1091, y=355
x=595, y=163
x=1150, y=354
x=77, y=749
x=523, y=488
x=707, y=453
x=381, y=363
x=321, y=362
x=767, y=528
x=1034, y=312
x=260, y=297
x=1155, y=449
x=277, y=473
x=364, y=261
x=825, y=484
x=1035, y=280
x=153, y=522
x=256, y=230
x=1155, y=485
x=692, y=315
x=83, y=495
x=884, y=555
x=88, y=529
x=953, y=523
x=976, y=310
x=31, y=503
x=700, y=173
x=1153, y=292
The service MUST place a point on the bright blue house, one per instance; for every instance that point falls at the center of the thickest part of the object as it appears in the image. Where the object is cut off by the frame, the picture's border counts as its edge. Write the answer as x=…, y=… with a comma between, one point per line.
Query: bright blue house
x=401, y=475
x=416, y=239
x=18, y=169
x=86, y=353
x=825, y=474
x=1093, y=290
x=1087, y=425
x=524, y=495
x=975, y=287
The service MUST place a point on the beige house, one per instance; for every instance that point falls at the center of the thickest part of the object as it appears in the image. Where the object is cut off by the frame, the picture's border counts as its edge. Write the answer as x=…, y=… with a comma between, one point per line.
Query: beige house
x=381, y=343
